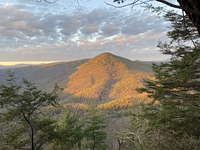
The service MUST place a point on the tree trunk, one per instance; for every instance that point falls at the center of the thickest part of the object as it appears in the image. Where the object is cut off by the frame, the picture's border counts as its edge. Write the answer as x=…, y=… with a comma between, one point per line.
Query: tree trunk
x=192, y=9
x=32, y=139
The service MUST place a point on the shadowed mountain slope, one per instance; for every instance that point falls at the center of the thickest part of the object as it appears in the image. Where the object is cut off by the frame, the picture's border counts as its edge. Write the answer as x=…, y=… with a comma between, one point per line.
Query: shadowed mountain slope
x=45, y=76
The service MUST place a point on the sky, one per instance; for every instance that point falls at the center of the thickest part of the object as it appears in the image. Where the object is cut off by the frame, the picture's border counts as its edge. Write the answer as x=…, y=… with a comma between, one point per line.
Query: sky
x=70, y=30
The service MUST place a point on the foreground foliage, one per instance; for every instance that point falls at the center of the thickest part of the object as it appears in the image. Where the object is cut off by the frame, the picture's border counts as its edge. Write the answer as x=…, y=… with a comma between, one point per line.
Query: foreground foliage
x=29, y=128
x=69, y=133
x=174, y=115
x=94, y=130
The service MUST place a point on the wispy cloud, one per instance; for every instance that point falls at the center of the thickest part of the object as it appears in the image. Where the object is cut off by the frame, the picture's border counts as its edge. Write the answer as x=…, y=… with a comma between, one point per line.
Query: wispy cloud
x=35, y=33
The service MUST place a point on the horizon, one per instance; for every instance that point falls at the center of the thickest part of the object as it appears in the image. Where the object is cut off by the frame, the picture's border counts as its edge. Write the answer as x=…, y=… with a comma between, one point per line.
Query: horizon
x=13, y=63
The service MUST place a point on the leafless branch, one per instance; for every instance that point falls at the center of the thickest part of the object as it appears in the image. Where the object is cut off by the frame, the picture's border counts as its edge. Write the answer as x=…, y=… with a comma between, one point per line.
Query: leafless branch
x=169, y=4
x=135, y=2
x=130, y=4
x=47, y=1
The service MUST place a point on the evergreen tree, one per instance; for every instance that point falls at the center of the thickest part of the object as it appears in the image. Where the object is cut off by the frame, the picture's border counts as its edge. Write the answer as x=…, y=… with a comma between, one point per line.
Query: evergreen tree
x=94, y=131
x=29, y=128
x=69, y=134
x=174, y=114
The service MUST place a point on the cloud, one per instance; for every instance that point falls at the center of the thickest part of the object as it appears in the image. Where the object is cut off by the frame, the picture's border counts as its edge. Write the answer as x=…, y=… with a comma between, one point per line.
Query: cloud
x=110, y=29
x=31, y=33
x=90, y=29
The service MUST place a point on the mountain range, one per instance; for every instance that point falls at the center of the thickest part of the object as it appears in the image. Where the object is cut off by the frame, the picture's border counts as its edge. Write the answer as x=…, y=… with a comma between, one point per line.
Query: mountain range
x=107, y=79
x=14, y=66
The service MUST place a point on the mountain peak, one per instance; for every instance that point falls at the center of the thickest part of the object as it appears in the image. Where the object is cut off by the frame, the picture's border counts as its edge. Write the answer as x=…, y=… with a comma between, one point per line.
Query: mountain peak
x=108, y=59
x=104, y=56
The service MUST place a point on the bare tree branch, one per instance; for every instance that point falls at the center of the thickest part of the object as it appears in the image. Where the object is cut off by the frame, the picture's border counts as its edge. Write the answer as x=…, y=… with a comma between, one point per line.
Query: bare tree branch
x=135, y=2
x=130, y=4
x=169, y=4
x=47, y=1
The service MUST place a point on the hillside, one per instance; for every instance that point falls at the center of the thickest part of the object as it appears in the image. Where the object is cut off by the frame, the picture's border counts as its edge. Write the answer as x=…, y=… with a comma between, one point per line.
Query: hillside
x=109, y=80
x=45, y=76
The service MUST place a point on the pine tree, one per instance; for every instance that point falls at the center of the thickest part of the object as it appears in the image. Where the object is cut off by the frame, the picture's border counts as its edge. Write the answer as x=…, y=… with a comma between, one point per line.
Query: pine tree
x=94, y=131
x=28, y=127
x=69, y=134
x=174, y=115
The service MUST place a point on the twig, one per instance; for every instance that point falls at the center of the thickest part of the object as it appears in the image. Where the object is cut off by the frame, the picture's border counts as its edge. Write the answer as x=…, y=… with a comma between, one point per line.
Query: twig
x=47, y=1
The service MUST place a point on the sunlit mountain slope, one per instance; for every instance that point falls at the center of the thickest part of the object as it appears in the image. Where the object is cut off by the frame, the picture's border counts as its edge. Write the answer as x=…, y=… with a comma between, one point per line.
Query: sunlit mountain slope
x=107, y=78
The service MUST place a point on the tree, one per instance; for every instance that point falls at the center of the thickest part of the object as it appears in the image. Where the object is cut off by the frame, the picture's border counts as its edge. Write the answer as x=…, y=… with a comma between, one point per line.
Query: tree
x=22, y=104
x=174, y=113
x=69, y=134
x=133, y=137
x=94, y=131
x=190, y=7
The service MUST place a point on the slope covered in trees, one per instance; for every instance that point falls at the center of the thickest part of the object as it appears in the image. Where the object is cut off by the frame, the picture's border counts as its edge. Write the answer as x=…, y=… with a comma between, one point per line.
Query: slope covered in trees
x=126, y=76
x=108, y=77
x=103, y=78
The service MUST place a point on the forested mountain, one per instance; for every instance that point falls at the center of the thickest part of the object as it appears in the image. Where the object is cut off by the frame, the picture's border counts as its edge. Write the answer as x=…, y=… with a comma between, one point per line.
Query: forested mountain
x=106, y=81
x=109, y=80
